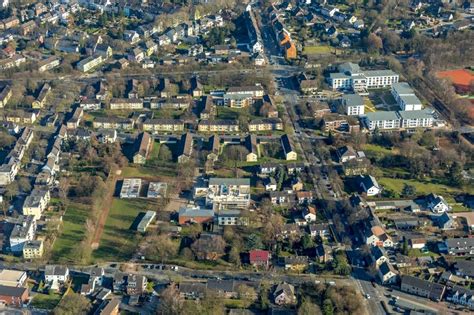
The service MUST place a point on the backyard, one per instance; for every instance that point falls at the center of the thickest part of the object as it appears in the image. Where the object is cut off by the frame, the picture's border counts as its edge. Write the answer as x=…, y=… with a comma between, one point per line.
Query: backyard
x=64, y=249
x=119, y=241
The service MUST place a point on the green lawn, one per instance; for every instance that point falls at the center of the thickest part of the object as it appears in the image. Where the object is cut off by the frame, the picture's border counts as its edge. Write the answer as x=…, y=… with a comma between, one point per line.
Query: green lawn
x=119, y=241
x=317, y=50
x=224, y=112
x=64, y=249
x=373, y=150
x=149, y=173
x=426, y=187
x=46, y=301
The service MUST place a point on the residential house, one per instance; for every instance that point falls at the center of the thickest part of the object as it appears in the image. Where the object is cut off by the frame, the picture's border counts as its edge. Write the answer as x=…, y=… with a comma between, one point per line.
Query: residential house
x=423, y=288
x=378, y=256
x=347, y=153
x=369, y=185
x=283, y=198
x=295, y=263
x=444, y=221
x=461, y=296
x=464, y=268
x=192, y=290
x=376, y=236
x=436, y=203
x=270, y=184
x=49, y=63
x=304, y=197
x=259, y=257
x=231, y=217
x=56, y=275
x=284, y=294
x=387, y=274
x=256, y=91
x=463, y=246
x=323, y=253
x=417, y=242
x=319, y=230
x=309, y=214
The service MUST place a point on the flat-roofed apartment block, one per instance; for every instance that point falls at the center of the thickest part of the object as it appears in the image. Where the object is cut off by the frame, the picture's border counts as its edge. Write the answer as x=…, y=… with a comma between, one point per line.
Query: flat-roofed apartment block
x=288, y=148
x=405, y=97
x=5, y=96
x=146, y=221
x=36, y=202
x=22, y=232
x=237, y=100
x=163, y=125
x=417, y=118
x=224, y=193
x=126, y=103
x=131, y=188
x=350, y=76
x=33, y=249
x=256, y=91
x=157, y=190
x=353, y=104
x=266, y=124
x=113, y=123
x=383, y=120
x=185, y=148
x=218, y=126
x=13, y=278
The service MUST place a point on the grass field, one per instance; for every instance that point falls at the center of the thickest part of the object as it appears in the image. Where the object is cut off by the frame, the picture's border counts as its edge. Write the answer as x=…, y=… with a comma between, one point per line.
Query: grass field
x=317, y=50
x=119, y=241
x=426, y=187
x=45, y=301
x=64, y=249
x=373, y=150
x=369, y=106
x=149, y=173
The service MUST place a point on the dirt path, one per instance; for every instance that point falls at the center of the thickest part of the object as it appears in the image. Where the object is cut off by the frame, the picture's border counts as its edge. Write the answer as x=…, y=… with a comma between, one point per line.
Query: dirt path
x=104, y=213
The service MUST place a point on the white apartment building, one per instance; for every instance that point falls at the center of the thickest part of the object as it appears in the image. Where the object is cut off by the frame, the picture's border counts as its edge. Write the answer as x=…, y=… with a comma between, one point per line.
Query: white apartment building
x=382, y=120
x=417, y=118
x=350, y=76
x=405, y=97
x=353, y=104
x=228, y=192
x=23, y=232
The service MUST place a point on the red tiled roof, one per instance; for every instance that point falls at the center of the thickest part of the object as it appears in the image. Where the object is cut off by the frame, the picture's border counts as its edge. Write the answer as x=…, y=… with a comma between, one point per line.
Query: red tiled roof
x=259, y=255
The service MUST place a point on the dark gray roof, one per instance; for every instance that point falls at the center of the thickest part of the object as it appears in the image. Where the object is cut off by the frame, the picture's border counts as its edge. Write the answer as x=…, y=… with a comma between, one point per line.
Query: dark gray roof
x=11, y=291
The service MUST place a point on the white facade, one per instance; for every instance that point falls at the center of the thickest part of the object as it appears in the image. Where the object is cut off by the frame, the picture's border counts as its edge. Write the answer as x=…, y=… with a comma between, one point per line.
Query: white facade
x=350, y=76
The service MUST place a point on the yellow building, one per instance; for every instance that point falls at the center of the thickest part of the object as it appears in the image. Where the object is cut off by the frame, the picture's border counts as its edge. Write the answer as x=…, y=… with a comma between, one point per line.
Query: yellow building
x=33, y=249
